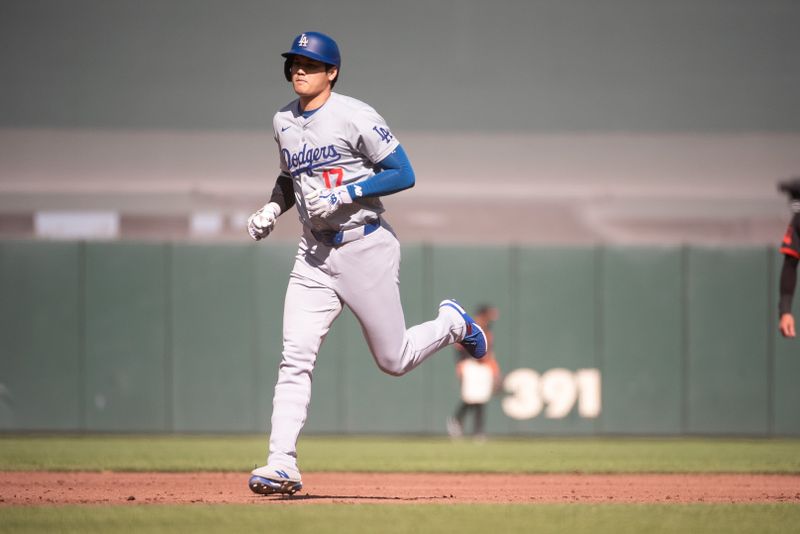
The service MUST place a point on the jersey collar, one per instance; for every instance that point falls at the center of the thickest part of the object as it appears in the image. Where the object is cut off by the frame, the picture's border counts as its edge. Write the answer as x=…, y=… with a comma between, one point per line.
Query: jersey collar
x=304, y=118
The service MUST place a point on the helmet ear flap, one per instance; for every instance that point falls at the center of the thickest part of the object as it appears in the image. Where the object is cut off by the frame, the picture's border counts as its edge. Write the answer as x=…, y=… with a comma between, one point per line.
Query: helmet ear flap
x=287, y=68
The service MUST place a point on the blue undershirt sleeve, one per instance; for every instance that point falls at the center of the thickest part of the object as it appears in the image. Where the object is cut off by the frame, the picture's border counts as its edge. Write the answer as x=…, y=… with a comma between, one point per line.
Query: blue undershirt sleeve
x=395, y=175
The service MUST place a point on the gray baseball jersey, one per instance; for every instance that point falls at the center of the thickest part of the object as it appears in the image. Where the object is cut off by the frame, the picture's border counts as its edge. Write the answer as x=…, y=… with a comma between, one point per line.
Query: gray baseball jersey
x=339, y=144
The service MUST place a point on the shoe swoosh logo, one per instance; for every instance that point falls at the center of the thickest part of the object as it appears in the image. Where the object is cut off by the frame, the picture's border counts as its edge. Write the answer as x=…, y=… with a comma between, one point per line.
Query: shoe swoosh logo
x=285, y=128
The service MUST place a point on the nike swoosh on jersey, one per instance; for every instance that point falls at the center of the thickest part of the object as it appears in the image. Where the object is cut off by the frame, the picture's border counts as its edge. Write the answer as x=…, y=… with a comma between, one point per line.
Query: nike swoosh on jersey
x=285, y=128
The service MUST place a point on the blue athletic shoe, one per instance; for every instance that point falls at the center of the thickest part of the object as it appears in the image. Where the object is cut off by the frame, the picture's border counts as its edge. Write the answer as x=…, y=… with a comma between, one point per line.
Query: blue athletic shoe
x=474, y=341
x=268, y=481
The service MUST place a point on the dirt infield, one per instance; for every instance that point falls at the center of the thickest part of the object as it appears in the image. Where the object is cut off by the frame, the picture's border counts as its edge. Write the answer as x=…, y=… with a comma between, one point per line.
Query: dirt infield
x=43, y=488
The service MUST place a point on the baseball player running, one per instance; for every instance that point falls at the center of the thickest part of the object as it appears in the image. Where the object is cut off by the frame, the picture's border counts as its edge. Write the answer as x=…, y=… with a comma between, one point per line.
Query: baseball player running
x=790, y=248
x=337, y=158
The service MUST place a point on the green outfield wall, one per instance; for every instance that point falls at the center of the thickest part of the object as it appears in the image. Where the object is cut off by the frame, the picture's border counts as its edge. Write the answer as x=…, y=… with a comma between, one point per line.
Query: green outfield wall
x=176, y=337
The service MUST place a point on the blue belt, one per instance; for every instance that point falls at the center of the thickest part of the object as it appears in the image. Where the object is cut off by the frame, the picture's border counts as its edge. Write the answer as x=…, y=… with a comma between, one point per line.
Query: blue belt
x=333, y=238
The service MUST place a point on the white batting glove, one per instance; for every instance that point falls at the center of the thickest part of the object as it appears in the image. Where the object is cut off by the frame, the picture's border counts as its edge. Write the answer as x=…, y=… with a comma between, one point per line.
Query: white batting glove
x=323, y=202
x=261, y=223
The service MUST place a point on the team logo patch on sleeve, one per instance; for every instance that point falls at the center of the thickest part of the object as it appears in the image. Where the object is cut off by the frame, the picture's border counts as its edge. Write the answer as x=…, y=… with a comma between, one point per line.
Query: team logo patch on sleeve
x=384, y=133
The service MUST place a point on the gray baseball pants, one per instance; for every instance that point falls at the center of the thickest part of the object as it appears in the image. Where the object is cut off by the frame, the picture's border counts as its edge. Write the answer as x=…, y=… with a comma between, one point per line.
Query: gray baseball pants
x=364, y=275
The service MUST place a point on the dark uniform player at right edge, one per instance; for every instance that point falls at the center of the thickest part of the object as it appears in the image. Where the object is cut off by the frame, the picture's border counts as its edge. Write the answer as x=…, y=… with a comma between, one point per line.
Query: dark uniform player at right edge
x=790, y=248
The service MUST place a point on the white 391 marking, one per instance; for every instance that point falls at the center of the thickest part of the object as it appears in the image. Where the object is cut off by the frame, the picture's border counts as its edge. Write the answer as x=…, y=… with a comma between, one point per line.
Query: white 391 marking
x=556, y=391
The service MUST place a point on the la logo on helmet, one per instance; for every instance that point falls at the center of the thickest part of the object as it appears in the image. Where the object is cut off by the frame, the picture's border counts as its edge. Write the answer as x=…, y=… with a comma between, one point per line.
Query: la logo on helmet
x=303, y=41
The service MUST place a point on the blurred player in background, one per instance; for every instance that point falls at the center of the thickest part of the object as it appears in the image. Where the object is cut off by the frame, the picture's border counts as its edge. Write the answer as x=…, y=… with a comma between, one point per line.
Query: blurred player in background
x=479, y=379
x=337, y=158
x=790, y=248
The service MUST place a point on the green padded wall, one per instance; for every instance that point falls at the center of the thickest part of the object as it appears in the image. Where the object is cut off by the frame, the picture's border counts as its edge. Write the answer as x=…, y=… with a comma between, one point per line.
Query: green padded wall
x=187, y=337
x=727, y=320
x=41, y=365
x=127, y=382
x=213, y=341
x=642, y=336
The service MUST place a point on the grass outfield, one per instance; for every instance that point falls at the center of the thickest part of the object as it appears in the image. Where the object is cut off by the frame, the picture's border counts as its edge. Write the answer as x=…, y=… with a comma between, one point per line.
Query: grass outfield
x=356, y=519
x=402, y=454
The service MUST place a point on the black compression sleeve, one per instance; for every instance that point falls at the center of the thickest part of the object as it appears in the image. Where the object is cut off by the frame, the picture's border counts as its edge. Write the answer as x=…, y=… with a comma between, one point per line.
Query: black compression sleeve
x=283, y=193
x=788, y=283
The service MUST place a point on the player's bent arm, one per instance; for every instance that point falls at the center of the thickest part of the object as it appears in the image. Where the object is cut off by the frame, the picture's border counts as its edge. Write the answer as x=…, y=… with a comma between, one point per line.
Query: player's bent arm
x=787, y=284
x=787, y=288
x=261, y=223
x=396, y=175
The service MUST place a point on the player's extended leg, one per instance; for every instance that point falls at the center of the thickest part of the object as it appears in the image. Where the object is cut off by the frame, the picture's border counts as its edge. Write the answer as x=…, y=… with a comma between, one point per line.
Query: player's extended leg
x=309, y=310
x=368, y=282
x=479, y=419
x=455, y=424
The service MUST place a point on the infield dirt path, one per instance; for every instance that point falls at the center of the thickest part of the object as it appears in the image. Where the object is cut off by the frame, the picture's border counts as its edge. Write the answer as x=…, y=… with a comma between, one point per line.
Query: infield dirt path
x=43, y=488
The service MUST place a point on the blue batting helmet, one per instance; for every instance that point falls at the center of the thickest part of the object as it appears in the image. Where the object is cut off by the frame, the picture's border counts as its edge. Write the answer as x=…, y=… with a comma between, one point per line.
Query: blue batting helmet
x=314, y=45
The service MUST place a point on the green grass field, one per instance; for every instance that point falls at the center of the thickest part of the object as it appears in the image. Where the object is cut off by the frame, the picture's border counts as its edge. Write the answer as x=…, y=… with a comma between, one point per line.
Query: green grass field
x=389, y=519
x=519, y=455
x=542, y=455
